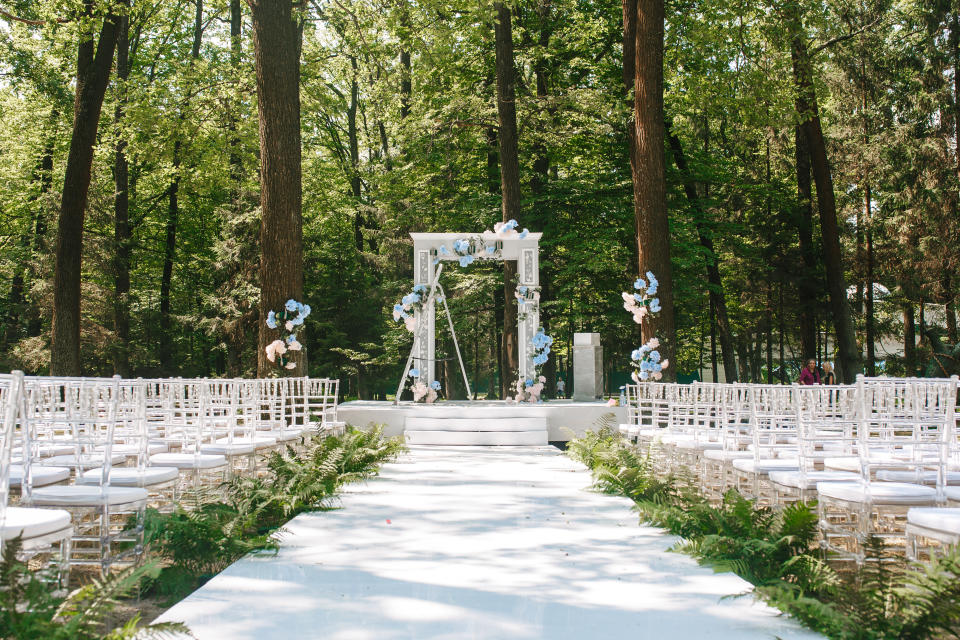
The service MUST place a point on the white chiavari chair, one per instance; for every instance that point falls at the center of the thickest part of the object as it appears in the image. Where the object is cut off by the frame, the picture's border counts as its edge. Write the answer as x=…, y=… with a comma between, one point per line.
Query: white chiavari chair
x=40, y=531
x=902, y=424
x=101, y=512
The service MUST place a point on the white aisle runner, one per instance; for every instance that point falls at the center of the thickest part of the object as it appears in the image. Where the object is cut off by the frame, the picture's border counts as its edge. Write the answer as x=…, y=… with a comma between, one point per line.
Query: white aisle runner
x=472, y=542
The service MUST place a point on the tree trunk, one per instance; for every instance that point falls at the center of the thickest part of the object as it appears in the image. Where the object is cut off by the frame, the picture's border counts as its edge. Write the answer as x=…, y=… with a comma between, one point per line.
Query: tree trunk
x=847, y=356
x=909, y=340
x=652, y=227
x=276, y=40
x=806, y=278
x=121, y=211
x=509, y=182
x=93, y=75
x=715, y=288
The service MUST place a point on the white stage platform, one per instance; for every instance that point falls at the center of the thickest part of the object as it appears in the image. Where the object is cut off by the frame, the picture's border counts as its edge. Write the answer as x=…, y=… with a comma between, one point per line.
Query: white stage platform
x=481, y=422
x=469, y=543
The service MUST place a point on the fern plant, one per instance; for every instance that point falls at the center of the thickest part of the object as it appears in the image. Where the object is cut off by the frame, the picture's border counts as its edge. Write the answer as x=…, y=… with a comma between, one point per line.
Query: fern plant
x=30, y=610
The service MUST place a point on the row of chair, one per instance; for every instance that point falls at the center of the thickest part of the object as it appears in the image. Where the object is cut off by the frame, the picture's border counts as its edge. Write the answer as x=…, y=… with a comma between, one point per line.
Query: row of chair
x=82, y=458
x=881, y=457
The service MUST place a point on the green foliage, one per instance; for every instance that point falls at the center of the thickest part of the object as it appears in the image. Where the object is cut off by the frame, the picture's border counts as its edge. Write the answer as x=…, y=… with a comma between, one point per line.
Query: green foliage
x=30, y=610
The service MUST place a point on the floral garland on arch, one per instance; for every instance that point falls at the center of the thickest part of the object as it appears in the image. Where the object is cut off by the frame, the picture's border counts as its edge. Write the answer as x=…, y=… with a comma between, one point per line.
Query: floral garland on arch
x=530, y=389
x=526, y=296
x=645, y=360
x=287, y=320
x=423, y=392
x=467, y=250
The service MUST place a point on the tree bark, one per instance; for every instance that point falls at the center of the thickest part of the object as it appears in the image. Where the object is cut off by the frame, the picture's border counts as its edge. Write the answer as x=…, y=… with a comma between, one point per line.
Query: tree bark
x=909, y=340
x=806, y=277
x=715, y=289
x=847, y=355
x=509, y=182
x=93, y=76
x=652, y=227
x=121, y=212
x=276, y=41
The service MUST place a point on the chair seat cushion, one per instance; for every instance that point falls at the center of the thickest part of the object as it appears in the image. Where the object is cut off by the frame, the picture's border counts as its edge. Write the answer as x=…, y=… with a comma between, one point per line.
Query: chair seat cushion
x=47, y=449
x=946, y=519
x=42, y=475
x=883, y=493
x=133, y=449
x=188, y=460
x=33, y=523
x=286, y=435
x=229, y=448
x=766, y=465
x=132, y=477
x=809, y=481
x=699, y=445
x=86, y=460
x=87, y=496
x=259, y=442
x=953, y=493
x=926, y=477
x=720, y=454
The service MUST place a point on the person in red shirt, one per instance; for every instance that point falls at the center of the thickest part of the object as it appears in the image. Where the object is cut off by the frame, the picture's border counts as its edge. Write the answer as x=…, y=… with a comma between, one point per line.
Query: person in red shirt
x=809, y=374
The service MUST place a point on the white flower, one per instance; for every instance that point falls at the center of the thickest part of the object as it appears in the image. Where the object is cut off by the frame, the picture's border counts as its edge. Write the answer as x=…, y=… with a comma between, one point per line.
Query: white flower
x=542, y=379
x=274, y=349
x=653, y=343
x=411, y=323
x=294, y=346
x=628, y=297
x=664, y=363
x=289, y=325
x=291, y=365
x=635, y=377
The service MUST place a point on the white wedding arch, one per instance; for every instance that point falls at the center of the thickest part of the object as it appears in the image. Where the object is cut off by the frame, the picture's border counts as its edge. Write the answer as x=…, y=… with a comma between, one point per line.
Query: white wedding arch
x=430, y=252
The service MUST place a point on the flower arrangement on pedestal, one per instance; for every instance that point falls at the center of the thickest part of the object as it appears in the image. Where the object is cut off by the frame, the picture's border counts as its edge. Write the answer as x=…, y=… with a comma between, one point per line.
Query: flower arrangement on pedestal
x=530, y=389
x=286, y=320
x=423, y=392
x=645, y=360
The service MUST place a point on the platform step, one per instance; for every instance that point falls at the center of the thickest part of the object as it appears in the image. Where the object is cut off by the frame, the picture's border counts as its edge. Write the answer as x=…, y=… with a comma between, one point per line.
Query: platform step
x=419, y=423
x=486, y=438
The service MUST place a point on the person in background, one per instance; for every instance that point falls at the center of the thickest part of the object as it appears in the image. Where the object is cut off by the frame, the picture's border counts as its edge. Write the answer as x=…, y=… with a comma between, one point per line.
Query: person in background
x=809, y=374
x=561, y=388
x=829, y=377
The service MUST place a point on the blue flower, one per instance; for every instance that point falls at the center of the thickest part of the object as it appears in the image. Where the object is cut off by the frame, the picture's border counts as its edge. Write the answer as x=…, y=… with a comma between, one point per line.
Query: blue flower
x=658, y=367
x=297, y=321
x=291, y=305
x=644, y=375
x=398, y=308
x=639, y=284
x=636, y=355
x=419, y=288
x=521, y=302
x=435, y=385
x=306, y=310
x=522, y=290
x=510, y=224
x=436, y=261
x=407, y=299
x=491, y=250
x=528, y=382
x=655, y=305
x=465, y=261
x=440, y=299
x=524, y=233
x=461, y=246
x=638, y=297
x=442, y=250
x=291, y=338
x=655, y=356
x=416, y=297
x=414, y=373
x=652, y=289
x=272, y=320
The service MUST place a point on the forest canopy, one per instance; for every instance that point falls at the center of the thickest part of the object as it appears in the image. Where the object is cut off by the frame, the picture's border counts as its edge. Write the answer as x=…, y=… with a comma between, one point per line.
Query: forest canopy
x=400, y=129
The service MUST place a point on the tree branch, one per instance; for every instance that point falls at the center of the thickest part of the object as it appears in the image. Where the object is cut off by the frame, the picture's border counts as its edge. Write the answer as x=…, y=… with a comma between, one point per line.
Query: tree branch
x=845, y=37
x=33, y=23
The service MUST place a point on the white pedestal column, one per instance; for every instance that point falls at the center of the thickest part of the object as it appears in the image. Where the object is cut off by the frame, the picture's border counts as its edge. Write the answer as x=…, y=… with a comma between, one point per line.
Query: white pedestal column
x=587, y=367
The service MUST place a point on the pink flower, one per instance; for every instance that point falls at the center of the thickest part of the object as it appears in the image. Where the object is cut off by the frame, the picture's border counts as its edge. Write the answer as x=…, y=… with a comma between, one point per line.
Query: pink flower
x=411, y=323
x=291, y=365
x=653, y=343
x=289, y=325
x=295, y=346
x=612, y=402
x=664, y=364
